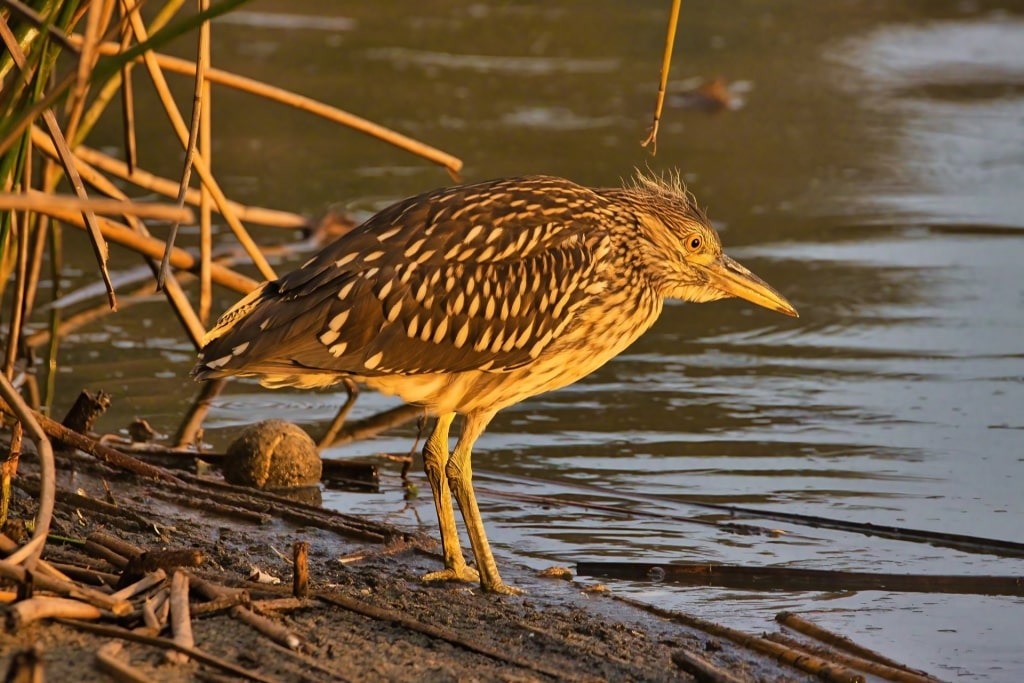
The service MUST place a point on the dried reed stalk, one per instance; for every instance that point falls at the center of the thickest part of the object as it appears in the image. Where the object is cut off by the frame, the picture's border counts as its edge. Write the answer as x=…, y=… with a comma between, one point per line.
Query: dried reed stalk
x=182, y=66
x=41, y=202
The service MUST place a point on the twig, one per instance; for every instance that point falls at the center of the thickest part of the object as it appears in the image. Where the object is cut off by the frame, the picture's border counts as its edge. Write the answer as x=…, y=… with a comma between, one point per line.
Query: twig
x=154, y=248
x=8, y=546
x=104, y=553
x=41, y=202
x=102, y=453
x=440, y=633
x=155, y=610
x=300, y=568
x=29, y=553
x=108, y=662
x=701, y=669
x=141, y=586
x=962, y=542
x=167, y=643
x=352, y=392
x=279, y=604
x=167, y=560
x=221, y=604
x=33, y=609
x=119, y=546
x=795, y=578
x=666, y=62
x=260, y=623
x=269, y=628
x=899, y=675
x=99, y=245
x=284, y=508
x=66, y=588
x=175, y=296
x=206, y=150
x=798, y=623
x=127, y=92
x=230, y=511
x=190, y=155
x=26, y=666
x=373, y=425
x=76, y=573
x=201, y=165
x=181, y=622
x=164, y=186
x=825, y=670
x=451, y=163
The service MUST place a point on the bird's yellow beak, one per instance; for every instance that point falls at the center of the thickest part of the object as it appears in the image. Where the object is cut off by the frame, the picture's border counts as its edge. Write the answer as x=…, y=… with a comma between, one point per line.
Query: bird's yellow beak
x=729, y=276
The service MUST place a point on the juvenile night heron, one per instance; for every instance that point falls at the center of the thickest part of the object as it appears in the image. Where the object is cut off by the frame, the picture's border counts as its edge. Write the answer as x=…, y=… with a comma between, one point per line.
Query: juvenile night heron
x=469, y=299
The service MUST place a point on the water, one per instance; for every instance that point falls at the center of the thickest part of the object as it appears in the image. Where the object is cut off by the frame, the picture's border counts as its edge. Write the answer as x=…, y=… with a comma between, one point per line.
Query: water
x=873, y=175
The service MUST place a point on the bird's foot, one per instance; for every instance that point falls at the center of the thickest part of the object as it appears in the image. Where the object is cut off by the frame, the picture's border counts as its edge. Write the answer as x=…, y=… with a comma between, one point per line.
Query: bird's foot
x=504, y=589
x=461, y=573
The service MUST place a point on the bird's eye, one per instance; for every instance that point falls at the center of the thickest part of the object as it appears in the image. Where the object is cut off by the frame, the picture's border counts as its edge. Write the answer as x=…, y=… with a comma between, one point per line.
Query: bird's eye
x=693, y=243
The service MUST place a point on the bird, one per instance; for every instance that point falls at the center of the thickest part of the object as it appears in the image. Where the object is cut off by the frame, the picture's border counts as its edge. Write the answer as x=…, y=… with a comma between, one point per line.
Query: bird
x=468, y=299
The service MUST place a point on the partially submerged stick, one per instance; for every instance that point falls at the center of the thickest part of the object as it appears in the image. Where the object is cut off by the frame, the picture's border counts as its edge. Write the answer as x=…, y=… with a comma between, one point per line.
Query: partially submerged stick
x=823, y=669
x=898, y=674
x=792, y=578
x=798, y=623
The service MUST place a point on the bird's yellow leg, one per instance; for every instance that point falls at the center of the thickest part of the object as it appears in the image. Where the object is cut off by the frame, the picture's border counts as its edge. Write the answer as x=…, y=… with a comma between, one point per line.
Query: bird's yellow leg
x=435, y=458
x=460, y=479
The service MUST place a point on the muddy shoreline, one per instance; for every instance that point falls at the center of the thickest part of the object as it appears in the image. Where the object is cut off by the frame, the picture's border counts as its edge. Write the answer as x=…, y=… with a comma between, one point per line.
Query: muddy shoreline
x=368, y=617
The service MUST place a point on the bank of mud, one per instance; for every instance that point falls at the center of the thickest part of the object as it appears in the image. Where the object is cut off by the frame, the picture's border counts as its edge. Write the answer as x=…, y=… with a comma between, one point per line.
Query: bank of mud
x=368, y=617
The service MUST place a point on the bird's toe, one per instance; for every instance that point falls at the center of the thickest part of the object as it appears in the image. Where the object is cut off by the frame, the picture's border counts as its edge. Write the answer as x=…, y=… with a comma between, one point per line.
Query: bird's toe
x=501, y=588
x=463, y=573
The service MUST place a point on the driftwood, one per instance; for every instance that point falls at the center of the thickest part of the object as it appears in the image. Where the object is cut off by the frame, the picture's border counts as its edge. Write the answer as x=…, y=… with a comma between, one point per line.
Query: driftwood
x=841, y=642
x=109, y=663
x=34, y=609
x=167, y=644
x=822, y=668
x=181, y=619
x=141, y=586
x=156, y=610
x=899, y=675
x=701, y=669
x=262, y=624
x=962, y=542
x=439, y=632
x=64, y=588
x=789, y=578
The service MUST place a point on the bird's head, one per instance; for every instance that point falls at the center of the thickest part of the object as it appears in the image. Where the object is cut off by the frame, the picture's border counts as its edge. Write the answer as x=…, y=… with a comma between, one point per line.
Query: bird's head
x=685, y=253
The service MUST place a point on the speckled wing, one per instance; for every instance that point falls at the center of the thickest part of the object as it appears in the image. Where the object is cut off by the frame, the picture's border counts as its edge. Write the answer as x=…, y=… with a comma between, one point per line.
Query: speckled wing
x=478, y=277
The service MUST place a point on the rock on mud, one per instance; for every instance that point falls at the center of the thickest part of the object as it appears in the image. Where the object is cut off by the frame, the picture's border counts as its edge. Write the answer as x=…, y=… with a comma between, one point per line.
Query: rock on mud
x=273, y=454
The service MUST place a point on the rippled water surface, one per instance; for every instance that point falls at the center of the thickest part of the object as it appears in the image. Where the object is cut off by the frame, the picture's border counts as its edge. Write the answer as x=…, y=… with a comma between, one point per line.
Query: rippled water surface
x=874, y=174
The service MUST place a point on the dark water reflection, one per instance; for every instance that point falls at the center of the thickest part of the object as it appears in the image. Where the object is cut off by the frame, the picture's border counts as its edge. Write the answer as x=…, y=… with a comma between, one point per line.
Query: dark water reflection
x=873, y=175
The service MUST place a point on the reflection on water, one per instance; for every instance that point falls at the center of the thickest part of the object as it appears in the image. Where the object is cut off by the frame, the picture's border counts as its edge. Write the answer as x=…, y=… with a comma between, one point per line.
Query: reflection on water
x=873, y=176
